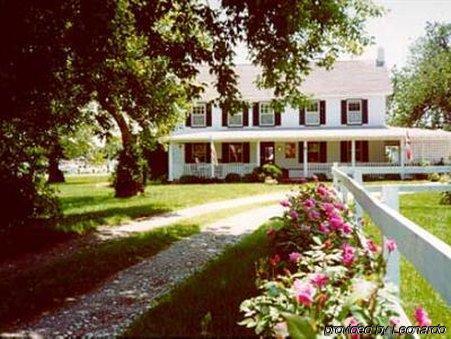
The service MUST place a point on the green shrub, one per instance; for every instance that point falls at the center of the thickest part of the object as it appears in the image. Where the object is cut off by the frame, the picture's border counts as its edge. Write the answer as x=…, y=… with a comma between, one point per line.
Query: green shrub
x=190, y=179
x=272, y=171
x=434, y=177
x=446, y=198
x=233, y=177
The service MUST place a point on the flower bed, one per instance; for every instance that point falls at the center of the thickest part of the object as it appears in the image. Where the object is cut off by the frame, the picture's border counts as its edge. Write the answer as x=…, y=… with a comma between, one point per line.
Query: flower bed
x=322, y=271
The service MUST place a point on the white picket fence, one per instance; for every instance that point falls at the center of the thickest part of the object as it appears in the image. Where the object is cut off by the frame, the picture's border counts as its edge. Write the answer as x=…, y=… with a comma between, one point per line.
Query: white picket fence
x=430, y=255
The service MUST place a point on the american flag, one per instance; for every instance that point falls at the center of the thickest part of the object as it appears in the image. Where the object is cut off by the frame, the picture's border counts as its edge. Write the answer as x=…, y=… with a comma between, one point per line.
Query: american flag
x=409, y=152
x=214, y=156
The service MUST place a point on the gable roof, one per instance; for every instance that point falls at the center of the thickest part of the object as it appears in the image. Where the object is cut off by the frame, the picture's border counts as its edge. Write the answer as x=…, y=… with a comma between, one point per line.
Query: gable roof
x=353, y=78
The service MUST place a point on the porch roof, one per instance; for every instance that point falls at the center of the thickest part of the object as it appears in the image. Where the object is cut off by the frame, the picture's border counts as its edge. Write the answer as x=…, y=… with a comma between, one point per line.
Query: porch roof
x=310, y=133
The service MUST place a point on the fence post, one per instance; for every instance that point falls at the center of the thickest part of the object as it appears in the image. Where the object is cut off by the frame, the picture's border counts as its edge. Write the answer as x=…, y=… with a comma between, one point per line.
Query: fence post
x=390, y=197
x=358, y=209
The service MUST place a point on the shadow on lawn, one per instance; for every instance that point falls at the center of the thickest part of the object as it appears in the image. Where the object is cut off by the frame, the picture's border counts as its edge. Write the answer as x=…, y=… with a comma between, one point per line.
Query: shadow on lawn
x=47, y=286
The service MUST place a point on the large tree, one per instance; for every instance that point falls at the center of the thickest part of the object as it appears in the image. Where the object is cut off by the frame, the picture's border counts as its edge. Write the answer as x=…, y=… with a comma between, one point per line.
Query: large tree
x=138, y=58
x=422, y=88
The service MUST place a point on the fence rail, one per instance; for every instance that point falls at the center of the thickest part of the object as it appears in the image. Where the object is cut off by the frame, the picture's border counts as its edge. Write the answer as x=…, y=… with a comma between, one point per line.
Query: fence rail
x=430, y=255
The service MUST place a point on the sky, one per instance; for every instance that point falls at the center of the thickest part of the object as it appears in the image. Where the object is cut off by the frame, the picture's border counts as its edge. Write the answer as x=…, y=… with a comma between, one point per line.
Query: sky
x=397, y=29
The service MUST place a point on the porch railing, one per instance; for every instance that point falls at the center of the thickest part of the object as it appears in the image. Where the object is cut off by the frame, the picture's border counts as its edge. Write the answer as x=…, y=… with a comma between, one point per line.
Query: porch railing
x=220, y=170
x=430, y=255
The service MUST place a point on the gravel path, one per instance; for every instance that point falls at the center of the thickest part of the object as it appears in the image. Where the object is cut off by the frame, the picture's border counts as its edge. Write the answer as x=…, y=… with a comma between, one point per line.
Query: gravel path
x=109, y=310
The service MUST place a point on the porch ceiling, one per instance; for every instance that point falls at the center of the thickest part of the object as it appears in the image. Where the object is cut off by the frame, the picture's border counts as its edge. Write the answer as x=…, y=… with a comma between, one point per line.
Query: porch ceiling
x=323, y=134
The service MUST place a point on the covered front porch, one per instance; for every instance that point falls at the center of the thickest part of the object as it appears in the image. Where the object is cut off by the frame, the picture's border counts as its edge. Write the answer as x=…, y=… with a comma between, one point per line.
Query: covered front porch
x=308, y=152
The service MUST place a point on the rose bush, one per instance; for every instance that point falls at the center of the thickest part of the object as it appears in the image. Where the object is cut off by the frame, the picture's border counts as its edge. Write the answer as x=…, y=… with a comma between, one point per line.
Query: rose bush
x=322, y=271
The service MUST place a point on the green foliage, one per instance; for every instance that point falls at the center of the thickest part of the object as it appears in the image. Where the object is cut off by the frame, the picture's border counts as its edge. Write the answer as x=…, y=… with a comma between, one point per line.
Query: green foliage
x=271, y=170
x=422, y=88
x=434, y=177
x=445, y=198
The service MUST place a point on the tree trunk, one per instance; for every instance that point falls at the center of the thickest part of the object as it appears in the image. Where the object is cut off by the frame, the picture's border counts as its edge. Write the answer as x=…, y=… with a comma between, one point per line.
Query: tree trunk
x=129, y=176
x=55, y=174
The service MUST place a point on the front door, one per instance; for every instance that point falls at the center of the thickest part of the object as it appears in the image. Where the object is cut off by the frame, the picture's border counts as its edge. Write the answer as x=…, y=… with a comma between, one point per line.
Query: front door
x=267, y=153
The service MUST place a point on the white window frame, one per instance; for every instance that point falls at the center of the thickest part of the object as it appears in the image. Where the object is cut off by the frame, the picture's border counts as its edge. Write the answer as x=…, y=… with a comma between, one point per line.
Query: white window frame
x=307, y=112
x=204, y=108
x=239, y=114
x=260, y=104
x=348, y=111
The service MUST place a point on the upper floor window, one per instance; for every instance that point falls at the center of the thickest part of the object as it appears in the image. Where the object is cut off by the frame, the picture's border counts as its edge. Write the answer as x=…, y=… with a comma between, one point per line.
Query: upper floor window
x=266, y=114
x=235, y=120
x=199, y=116
x=312, y=114
x=354, y=115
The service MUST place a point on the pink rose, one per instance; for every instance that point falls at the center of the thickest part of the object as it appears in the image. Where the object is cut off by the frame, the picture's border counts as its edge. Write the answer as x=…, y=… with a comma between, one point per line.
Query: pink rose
x=351, y=321
x=324, y=227
x=340, y=206
x=336, y=222
x=285, y=203
x=309, y=203
x=294, y=215
x=322, y=191
x=273, y=261
x=346, y=228
x=390, y=245
x=348, y=254
x=319, y=279
x=371, y=245
x=328, y=208
x=294, y=256
x=314, y=215
x=422, y=317
x=304, y=292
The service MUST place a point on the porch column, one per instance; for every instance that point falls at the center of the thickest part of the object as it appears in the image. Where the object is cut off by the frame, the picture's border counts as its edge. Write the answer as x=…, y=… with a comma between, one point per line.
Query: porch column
x=353, y=153
x=170, y=160
x=402, y=155
x=257, y=153
x=305, y=159
x=212, y=161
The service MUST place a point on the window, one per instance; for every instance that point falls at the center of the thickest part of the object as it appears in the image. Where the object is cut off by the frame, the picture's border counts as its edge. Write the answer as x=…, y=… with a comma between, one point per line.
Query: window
x=314, y=152
x=359, y=145
x=235, y=120
x=199, y=153
x=266, y=114
x=290, y=150
x=199, y=116
x=312, y=114
x=354, y=115
x=236, y=152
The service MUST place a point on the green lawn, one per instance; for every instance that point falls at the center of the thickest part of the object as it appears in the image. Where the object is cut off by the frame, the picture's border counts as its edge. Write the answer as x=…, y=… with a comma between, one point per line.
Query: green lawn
x=88, y=201
x=425, y=210
x=47, y=285
x=217, y=291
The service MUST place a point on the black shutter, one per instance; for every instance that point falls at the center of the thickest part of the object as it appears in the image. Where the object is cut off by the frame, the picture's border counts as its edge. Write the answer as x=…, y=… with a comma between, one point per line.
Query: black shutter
x=302, y=116
x=224, y=117
x=344, y=119
x=343, y=151
x=245, y=115
x=188, y=120
x=277, y=118
x=364, y=111
x=188, y=153
x=208, y=114
x=246, y=155
x=322, y=112
x=364, y=151
x=255, y=114
x=225, y=152
x=301, y=152
x=208, y=155
x=323, y=151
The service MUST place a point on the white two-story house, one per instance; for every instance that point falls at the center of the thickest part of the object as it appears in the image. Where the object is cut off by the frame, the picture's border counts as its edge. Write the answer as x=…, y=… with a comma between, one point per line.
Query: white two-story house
x=344, y=124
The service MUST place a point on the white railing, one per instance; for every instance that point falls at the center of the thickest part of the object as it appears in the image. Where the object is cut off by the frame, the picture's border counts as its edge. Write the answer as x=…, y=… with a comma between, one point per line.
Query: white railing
x=430, y=255
x=205, y=170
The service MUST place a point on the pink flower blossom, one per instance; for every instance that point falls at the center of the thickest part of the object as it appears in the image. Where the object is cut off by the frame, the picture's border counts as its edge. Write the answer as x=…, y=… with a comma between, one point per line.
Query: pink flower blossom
x=348, y=254
x=294, y=215
x=314, y=178
x=328, y=208
x=309, y=203
x=394, y=321
x=340, y=206
x=390, y=245
x=336, y=222
x=422, y=317
x=304, y=292
x=294, y=256
x=324, y=227
x=371, y=245
x=314, y=214
x=346, y=228
x=351, y=321
x=285, y=203
x=319, y=279
x=274, y=260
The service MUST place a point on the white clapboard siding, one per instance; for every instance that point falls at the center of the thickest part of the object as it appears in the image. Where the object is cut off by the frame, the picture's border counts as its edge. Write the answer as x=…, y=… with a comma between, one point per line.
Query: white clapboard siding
x=430, y=255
